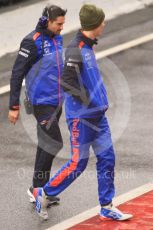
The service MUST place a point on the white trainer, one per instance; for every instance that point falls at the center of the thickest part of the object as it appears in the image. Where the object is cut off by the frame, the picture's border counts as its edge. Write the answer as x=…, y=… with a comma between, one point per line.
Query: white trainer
x=111, y=212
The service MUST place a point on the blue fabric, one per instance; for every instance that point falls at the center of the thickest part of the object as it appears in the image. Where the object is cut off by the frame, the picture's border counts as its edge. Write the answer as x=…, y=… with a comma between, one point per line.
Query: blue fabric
x=110, y=214
x=38, y=204
x=83, y=134
x=43, y=79
x=92, y=80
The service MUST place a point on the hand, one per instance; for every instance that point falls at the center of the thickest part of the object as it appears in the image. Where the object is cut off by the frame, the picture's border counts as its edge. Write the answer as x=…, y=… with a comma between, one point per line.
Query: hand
x=13, y=116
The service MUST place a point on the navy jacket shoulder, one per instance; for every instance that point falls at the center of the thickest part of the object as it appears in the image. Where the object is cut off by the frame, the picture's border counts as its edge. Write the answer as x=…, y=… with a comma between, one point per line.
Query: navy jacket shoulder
x=71, y=80
x=26, y=57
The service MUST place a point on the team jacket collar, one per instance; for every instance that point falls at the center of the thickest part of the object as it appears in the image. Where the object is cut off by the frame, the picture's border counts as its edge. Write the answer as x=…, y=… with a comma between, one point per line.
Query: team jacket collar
x=86, y=40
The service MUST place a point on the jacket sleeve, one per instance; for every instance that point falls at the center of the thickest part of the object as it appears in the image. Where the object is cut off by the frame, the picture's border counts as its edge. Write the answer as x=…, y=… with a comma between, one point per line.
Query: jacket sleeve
x=26, y=57
x=71, y=78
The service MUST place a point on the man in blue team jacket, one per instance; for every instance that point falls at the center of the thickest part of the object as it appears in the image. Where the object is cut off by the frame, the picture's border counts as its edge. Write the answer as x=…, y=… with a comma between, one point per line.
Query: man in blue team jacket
x=86, y=104
x=40, y=61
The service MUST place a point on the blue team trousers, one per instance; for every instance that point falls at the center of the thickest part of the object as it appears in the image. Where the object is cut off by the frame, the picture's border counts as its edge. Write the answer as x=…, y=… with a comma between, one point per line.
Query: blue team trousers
x=84, y=133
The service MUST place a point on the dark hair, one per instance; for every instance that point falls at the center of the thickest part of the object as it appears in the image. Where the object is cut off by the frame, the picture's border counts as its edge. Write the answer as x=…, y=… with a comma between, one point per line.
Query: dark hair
x=53, y=11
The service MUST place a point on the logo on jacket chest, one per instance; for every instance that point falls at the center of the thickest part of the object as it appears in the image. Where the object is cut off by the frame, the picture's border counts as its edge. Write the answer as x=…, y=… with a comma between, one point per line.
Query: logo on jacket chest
x=49, y=48
x=88, y=57
x=89, y=60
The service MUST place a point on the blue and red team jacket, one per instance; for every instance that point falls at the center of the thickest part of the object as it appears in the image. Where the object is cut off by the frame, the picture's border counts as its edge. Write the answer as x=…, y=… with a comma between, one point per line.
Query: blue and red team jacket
x=86, y=96
x=40, y=62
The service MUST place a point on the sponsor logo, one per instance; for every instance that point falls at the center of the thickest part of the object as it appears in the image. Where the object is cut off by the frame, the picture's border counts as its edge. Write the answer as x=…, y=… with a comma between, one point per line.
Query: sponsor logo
x=25, y=50
x=87, y=56
x=75, y=133
x=46, y=44
x=23, y=54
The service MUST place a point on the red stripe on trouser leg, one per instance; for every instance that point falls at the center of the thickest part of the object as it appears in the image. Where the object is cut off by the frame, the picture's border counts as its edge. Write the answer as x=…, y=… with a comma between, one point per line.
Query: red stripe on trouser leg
x=75, y=151
x=75, y=157
x=67, y=171
x=35, y=192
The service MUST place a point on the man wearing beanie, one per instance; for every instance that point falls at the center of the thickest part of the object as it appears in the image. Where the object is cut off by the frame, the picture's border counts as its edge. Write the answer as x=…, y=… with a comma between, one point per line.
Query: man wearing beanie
x=86, y=104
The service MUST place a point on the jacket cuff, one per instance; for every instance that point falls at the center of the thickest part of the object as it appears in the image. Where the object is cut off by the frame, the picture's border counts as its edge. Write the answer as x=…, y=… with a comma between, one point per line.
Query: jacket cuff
x=15, y=107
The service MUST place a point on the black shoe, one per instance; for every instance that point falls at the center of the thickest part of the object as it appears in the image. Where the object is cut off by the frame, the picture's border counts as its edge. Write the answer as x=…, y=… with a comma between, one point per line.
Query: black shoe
x=53, y=200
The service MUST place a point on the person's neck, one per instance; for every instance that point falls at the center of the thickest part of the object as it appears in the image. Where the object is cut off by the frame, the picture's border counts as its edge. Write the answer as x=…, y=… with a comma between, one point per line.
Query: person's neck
x=89, y=34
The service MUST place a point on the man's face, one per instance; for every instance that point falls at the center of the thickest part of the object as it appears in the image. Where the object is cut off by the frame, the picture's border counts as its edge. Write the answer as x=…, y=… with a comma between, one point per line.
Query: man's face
x=99, y=30
x=56, y=26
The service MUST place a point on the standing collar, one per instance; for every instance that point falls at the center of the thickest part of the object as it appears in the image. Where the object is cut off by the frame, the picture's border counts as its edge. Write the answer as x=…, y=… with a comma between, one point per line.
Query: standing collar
x=82, y=37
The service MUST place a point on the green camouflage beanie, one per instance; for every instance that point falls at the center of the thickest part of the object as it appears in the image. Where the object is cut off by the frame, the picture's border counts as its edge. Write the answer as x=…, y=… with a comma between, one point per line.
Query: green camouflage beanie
x=91, y=17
